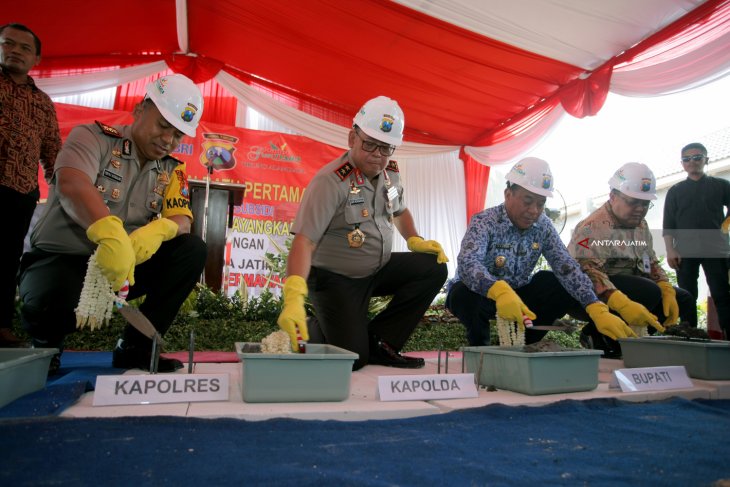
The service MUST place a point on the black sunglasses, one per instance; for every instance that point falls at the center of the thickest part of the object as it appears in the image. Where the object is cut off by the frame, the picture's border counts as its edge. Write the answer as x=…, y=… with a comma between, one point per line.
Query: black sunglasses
x=694, y=158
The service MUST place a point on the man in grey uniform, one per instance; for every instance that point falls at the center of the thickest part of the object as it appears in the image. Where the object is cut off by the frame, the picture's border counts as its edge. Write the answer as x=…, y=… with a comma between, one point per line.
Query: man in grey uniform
x=117, y=191
x=341, y=253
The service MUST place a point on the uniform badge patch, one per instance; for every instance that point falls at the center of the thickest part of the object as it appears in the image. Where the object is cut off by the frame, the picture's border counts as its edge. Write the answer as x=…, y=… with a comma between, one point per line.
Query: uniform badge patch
x=392, y=166
x=344, y=170
x=109, y=130
x=355, y=238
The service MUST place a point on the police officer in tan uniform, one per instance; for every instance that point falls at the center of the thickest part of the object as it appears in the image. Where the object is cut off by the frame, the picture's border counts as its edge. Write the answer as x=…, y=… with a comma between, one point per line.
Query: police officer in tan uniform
x=341, y=254
x=117, y=191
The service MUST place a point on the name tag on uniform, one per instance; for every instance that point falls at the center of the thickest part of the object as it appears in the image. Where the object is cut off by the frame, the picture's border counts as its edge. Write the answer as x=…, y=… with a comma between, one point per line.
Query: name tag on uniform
x=113, y=176
x=358, y=200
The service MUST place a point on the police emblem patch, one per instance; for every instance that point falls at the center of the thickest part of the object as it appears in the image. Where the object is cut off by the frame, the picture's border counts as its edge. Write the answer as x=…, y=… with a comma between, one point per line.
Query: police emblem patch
x=386, y=124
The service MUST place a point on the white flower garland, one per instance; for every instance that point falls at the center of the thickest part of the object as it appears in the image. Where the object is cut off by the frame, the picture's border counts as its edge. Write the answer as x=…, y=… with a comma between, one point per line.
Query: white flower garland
x=510, y=333
x=97, y=299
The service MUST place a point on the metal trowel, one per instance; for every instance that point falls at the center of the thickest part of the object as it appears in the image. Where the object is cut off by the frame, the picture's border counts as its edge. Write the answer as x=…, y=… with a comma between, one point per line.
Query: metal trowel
x=558, y=325
x=139, y=321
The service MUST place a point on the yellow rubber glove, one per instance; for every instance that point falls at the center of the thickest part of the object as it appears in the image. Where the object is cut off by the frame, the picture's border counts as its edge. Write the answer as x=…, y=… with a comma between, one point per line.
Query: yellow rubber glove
x=115, y=255
x=146, y=240
x=293, y=315
x=725, y=227
x=632, y=312
x=669, y=302
x=607, y=323
x=509, y=305
x=417, y=244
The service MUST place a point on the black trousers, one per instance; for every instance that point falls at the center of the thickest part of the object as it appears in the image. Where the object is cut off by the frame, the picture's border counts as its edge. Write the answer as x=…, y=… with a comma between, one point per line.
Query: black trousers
x=716, y=272
x=17, y=216
x=544, y=295
x=341, y=303
x=648, y=293
x=50, y=286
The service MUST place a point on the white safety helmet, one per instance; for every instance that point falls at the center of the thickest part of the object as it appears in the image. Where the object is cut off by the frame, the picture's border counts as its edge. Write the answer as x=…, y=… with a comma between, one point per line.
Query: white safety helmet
x=634, y=179
x=534, y=175
x=178, y=100
x=382, y=119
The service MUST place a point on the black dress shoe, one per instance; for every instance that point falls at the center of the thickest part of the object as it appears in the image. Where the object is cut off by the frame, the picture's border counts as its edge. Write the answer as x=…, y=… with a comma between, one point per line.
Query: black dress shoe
x=384, y=354
x=138, y=357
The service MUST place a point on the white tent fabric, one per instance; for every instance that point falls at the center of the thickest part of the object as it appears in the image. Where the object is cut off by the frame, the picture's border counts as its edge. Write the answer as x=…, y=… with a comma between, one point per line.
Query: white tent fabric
x=584, y=33
x=87, y=82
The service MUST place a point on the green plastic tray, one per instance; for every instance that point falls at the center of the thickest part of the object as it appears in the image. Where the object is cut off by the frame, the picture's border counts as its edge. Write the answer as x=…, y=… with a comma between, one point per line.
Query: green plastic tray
x=534, y=373
x=709, y=360
x=321, y=374
x=22, y=371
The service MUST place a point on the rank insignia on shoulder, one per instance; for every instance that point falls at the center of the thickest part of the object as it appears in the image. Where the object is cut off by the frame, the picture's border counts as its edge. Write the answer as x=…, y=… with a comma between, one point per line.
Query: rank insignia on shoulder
x=109, y=130
x=344, y=170
x=392, y=166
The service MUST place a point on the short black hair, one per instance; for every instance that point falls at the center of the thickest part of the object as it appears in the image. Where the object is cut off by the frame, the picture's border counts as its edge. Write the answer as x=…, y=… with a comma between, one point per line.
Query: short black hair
x=695, y=145
x=16, y=26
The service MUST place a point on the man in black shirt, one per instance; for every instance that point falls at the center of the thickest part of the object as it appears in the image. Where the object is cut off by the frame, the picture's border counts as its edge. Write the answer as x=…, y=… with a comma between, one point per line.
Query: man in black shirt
x=695, y=225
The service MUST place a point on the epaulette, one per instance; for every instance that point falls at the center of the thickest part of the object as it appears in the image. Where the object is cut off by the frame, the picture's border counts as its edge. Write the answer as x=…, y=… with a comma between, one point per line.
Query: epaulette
x=344, y=170
x=109, y=130
x=392, y=166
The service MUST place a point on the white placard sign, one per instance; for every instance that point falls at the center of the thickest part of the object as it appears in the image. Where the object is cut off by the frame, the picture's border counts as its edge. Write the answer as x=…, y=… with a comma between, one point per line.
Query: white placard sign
x=160, y=388
x=420, y=387
x=652, y=378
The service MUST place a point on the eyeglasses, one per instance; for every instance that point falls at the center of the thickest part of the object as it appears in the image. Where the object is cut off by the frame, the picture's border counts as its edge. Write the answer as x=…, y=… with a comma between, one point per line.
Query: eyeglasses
x=370, y=146
x=694, y=158
x=634, y=203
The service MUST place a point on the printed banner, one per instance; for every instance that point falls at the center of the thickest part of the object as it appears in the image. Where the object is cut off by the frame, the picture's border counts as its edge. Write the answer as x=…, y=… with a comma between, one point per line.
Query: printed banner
x=274, y=168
